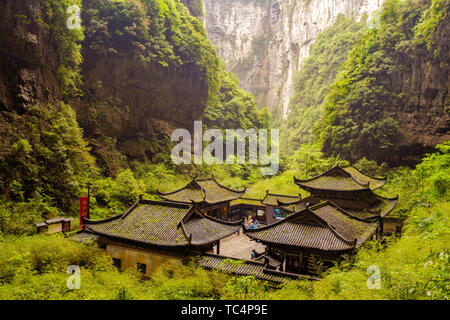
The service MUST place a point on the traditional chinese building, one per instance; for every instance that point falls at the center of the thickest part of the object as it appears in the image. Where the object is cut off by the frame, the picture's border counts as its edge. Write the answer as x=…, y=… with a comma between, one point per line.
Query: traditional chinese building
x=352, y=191
x=275, y=211
x=209, y=195
x=245, y=207
x=312, y=239
x=152, y=232
x=266, y=210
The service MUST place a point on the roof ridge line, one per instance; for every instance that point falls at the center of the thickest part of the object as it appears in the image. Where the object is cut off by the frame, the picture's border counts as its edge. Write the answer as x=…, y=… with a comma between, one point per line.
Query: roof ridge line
x=283, y=195
x=230, y=223
x=372, y=177
x=319, y=175
x=295, y=202
x=345, y=212
x=183, y=229
x=166, y=203
x=229, y=189
x=393, y=198
x=247, y=198
x=359, y=182
x=332, y=228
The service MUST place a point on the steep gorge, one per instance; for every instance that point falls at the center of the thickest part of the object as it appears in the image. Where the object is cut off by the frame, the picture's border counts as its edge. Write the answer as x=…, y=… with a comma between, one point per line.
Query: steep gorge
x=264, y=42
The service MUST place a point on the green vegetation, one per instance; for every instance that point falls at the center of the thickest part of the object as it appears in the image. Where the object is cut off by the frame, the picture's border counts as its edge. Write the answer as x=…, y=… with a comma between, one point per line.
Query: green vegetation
x=164, y=32
x=415, y=266
x=45, y=163
x=356, y=121
x=231, y=107
x=67, y=43
x=195, y=8
x=317, y=73
x=45, y=156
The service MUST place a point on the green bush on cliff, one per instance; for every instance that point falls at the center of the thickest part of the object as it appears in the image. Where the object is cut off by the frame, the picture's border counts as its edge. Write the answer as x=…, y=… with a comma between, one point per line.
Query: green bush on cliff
x=359, y=106
x=317, y=73
x=233, y=108
x=68, y=44
x=45, y=154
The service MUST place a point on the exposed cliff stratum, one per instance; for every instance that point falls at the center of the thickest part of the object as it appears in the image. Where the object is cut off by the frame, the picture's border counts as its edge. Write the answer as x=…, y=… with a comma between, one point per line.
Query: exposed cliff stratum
x=263, y=42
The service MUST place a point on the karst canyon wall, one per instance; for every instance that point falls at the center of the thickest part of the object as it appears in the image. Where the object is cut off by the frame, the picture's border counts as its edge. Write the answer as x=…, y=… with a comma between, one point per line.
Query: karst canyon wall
x=264, y=41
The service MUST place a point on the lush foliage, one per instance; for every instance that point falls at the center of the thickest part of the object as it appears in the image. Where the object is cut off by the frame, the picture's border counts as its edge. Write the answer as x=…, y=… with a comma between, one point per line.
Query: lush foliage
x=317, y=73
x=415, y=266
x=68, y=44
x=356, y=121
x=44, y=154
x=232, y=108
x=44, y=159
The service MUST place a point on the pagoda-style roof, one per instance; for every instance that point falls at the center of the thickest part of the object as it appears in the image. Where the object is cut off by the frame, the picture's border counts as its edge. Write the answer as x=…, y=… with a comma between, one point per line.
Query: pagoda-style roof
x=162, y=223
x=341, y=179
x=324, y=227
x=203, y=190
x=247, y=201
x=273, y=199
x=369, y=207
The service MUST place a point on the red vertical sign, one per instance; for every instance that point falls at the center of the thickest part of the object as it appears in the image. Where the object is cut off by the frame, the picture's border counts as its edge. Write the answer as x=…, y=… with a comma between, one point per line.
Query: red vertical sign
x=83, y=210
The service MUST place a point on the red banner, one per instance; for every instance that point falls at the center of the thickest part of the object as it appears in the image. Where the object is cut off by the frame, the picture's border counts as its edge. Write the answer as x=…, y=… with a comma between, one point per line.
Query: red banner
x=84, y=205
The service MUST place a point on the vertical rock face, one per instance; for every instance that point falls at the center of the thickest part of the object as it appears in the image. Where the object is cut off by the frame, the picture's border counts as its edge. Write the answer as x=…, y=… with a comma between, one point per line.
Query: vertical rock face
x=248, y=32
x=28, y=62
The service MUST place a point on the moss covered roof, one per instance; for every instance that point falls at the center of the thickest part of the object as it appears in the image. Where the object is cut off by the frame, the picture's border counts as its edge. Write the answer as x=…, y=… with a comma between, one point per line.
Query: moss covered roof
x=202, y=190
x=163, y=224
x=341, y=179
x=324, y=226
x=370, y=206
x=274, y=199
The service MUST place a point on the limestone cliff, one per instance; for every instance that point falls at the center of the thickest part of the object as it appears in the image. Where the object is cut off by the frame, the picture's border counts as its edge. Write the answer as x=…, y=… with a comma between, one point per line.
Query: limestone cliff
x=263, y=42
x=28, y=57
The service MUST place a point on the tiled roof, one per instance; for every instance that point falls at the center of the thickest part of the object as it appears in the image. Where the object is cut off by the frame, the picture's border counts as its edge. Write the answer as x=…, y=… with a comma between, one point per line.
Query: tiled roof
x=299, y=205
x=251, y=201
x=345, y=225
x=245, y=268
x=322, y=227
x=163, y=224
x=369, y=207
x=374, y=183
x=202, y=190
x=274, y=199
x=341, y=179
x=381, y=207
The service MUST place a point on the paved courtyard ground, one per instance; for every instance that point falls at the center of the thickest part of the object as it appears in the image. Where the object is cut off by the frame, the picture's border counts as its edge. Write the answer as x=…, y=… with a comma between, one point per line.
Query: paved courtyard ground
x=238, y=246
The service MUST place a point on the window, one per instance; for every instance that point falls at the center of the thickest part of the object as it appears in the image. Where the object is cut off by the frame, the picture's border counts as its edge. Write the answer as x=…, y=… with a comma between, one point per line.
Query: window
x=117, y=263
x=279, y=213
x=142, y=268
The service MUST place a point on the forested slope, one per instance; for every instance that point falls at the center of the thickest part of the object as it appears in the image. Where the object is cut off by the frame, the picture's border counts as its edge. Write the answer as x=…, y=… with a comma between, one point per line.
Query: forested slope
x=390, y=102
x=317, y=73
x=76, y=103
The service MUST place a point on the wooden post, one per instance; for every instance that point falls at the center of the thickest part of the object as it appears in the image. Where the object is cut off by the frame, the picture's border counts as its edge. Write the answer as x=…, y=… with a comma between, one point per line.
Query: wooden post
x=283, y=265
x=218, y=247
